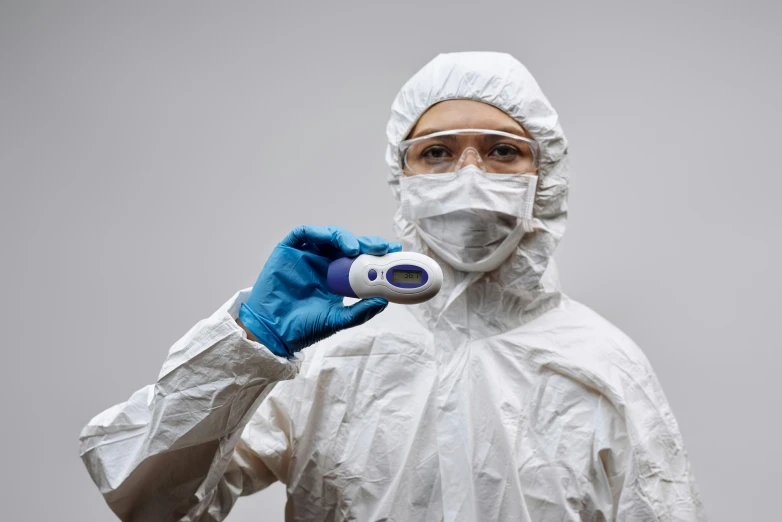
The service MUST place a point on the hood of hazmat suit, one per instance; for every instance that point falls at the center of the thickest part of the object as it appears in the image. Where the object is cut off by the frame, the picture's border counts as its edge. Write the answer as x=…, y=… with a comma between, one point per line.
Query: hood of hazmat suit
x=499, y=399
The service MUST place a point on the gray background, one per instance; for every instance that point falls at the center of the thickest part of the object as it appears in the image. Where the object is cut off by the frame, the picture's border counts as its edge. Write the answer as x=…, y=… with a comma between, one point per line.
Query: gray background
x=153, y=153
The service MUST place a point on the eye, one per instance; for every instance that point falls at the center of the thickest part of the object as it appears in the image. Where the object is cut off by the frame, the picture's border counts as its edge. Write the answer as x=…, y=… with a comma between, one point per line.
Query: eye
x=505, y=151
x=436, y=153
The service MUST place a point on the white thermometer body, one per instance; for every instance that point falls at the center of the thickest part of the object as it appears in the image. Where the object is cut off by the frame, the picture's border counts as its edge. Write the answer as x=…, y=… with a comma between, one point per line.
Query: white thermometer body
x=399, y=277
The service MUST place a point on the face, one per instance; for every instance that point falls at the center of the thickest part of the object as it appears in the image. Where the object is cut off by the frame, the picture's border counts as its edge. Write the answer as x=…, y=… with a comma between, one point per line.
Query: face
x=500, y=152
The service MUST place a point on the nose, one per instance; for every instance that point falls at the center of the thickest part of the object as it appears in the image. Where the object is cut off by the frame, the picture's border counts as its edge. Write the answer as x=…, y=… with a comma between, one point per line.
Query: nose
x=470, y=156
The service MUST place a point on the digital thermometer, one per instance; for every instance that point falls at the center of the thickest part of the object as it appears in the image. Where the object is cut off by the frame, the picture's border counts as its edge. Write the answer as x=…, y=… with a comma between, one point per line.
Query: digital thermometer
x=399, y=277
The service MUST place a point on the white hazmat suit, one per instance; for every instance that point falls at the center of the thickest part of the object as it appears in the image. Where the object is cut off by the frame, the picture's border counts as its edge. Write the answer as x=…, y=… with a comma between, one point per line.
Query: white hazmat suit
x=499, y=399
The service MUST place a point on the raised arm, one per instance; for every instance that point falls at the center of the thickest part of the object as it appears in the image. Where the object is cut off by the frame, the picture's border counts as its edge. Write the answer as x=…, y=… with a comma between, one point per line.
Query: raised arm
x=173, y=451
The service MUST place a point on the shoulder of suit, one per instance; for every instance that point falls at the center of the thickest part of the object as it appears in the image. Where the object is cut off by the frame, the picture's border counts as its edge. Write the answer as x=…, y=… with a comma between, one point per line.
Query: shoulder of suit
x=578, y=333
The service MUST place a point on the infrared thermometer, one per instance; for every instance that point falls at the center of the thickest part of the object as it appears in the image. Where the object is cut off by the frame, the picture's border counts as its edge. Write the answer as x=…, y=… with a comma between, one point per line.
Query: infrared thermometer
x=399, y=277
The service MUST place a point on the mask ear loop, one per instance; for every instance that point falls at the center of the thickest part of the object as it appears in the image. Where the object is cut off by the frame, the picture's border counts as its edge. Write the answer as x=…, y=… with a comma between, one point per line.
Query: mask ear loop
x=463, y=158
x=528, y=224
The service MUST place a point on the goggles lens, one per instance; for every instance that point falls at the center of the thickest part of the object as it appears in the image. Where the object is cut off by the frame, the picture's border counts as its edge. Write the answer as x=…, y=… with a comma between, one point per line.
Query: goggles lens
x=448, y=151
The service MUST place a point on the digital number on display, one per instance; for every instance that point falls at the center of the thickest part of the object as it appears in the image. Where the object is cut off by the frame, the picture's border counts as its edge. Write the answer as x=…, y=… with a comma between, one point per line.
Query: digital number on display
x=407, y=276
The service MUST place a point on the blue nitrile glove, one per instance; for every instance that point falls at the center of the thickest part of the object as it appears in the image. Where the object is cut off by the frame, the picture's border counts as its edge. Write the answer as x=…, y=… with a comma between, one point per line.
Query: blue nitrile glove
x=290, y=306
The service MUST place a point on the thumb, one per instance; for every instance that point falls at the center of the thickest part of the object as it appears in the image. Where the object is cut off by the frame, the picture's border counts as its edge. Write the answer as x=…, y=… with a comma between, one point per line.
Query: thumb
x=361, y=312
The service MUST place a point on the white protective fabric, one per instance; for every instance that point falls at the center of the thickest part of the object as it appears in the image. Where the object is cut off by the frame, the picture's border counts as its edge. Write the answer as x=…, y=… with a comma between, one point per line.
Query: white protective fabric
x=500, y=399
x=473, y=220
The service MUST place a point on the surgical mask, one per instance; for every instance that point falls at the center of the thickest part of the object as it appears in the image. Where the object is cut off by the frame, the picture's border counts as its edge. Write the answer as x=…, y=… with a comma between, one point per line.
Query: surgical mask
x=473, y=220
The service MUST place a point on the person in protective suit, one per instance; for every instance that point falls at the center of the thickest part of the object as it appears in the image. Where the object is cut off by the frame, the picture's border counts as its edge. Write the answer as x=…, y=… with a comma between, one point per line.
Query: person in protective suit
x=499, y=399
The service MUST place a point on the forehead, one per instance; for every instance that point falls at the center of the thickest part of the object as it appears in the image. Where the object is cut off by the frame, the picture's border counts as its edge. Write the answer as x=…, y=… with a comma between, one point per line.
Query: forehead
x=464, y=114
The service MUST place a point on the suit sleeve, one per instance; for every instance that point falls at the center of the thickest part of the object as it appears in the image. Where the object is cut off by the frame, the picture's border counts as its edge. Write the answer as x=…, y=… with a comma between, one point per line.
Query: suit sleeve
x=174, y=450
x=640, y=457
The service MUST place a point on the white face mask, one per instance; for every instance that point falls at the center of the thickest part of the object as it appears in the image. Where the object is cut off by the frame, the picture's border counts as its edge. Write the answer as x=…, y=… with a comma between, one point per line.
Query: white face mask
x=471, y=219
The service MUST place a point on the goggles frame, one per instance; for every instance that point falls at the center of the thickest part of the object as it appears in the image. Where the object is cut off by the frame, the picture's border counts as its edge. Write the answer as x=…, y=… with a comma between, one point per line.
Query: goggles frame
x=405, y=145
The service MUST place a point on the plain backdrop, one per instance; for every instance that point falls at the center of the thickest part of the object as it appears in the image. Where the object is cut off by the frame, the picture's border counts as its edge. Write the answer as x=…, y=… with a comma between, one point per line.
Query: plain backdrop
x=153, y=153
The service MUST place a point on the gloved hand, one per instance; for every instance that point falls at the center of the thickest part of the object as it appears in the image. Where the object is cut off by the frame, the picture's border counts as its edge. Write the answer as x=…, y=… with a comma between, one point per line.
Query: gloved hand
x=290, y=306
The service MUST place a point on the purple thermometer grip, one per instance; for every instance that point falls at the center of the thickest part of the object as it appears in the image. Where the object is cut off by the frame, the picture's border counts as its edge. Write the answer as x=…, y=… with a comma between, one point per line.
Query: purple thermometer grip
x=337, y=278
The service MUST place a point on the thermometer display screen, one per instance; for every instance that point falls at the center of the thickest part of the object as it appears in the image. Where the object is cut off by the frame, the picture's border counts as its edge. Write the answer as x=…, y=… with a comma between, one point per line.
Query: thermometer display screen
x=407, y=276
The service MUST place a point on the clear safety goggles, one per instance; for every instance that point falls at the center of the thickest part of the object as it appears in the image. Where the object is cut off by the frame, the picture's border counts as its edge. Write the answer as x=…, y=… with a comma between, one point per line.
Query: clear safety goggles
x=448, y=151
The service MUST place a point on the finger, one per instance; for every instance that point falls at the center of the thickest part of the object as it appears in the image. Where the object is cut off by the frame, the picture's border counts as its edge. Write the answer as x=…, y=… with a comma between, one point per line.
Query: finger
x=394, y=247
x=345, y=241
x=373, y=245
x=338, y=237
x=361, y=312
